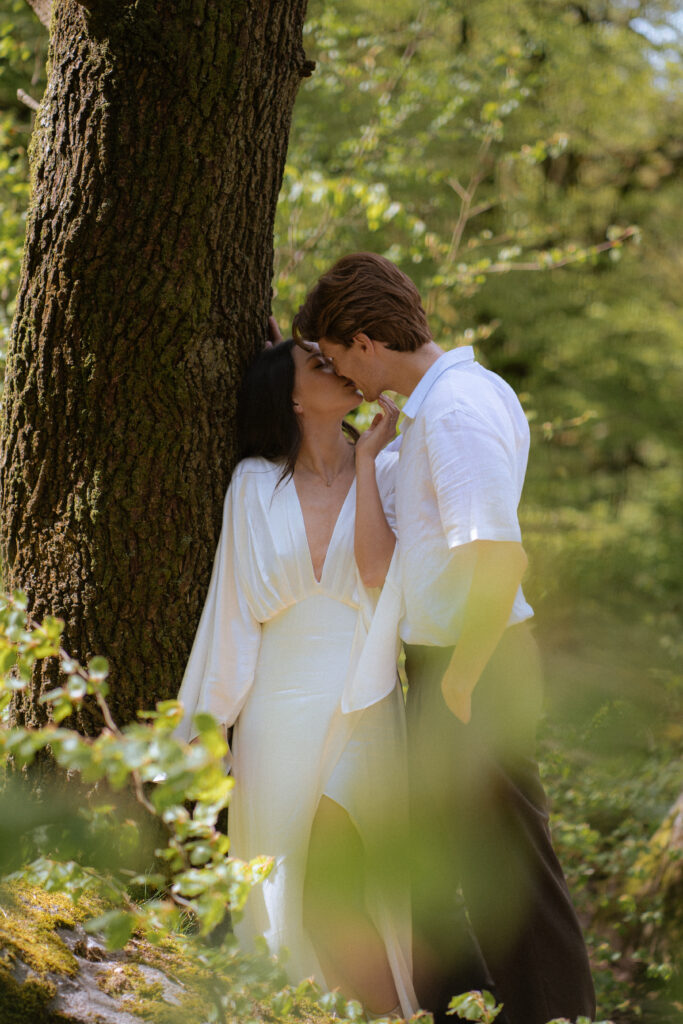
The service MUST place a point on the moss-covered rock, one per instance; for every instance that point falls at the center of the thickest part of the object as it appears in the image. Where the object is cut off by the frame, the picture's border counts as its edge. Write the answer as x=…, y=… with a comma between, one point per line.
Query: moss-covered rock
x=42, y=945
x=53, y=972
x=29, y=923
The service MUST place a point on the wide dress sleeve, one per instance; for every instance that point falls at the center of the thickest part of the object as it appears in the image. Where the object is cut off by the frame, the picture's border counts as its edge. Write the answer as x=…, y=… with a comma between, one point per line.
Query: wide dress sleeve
x=374, y=657
x=220, y=670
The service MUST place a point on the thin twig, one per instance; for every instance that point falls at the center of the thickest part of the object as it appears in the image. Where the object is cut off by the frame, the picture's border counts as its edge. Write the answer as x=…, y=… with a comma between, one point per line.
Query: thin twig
x=502, y=268
x=406, y=57
x=106, y=714
x=466, y=212
x=28, y=100
x=140, y=794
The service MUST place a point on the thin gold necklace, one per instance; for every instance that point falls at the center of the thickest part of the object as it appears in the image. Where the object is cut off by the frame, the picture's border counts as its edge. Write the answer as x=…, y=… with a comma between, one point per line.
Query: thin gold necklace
x=328, y=483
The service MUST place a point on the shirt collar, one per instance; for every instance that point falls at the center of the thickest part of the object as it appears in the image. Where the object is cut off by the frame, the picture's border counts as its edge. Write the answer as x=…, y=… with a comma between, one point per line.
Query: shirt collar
x=463, y=354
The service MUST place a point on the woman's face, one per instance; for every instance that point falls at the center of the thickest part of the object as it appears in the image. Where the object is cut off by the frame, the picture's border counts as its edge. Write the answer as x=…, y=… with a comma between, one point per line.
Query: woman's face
x=318, y=391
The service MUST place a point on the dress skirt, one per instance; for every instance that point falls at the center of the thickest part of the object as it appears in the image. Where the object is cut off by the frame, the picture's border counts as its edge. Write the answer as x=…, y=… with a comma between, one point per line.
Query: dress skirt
x=291, y=745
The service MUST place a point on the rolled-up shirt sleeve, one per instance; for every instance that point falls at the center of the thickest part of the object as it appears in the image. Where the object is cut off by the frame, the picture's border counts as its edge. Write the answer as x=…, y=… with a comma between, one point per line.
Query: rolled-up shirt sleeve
x=474, y=479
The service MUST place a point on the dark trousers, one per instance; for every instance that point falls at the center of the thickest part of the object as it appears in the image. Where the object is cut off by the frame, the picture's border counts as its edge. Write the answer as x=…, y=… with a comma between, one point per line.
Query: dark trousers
x=480, y=834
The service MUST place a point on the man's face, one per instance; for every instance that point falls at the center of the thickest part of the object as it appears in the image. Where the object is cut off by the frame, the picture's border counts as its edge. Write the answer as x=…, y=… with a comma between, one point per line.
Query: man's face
x=357, y=364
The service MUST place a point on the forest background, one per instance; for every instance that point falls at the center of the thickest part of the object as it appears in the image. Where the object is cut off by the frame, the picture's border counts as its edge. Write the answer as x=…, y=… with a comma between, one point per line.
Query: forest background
x=521, y=161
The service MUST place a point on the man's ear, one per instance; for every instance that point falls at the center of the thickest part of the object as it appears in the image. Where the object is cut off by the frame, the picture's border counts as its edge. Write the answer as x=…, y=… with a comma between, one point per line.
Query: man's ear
x=365, y=343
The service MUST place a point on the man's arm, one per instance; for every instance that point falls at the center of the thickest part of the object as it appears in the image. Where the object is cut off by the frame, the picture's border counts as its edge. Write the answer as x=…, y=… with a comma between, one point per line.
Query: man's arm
x=498, y=572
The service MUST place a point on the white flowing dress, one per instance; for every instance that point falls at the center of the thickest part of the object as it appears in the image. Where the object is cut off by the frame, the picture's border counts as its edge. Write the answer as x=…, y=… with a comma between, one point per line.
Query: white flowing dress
x=307, y=675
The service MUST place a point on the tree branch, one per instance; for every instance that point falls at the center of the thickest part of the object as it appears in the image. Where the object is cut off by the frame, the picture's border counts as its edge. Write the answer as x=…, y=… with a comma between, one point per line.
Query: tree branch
x=28, y=100
x=566, y=261
x=42, y=10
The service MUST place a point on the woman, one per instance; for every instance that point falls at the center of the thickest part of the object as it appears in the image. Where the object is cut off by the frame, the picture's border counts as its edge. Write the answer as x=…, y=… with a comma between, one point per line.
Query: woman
x=318, y=754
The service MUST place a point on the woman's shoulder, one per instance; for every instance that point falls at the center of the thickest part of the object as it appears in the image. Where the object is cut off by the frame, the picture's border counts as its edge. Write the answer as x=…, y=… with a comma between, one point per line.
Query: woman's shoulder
x=254, y=474
x=255, y=465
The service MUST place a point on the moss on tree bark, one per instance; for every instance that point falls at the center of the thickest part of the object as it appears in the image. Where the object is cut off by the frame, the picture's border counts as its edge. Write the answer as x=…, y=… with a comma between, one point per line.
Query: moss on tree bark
x=157, y=158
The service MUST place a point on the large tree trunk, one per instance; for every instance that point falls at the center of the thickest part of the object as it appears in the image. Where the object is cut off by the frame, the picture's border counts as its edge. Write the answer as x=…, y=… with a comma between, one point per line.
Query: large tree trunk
x=157, y=158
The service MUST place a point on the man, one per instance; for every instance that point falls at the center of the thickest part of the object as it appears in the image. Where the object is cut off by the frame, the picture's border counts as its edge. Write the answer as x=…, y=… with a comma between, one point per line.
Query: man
x=479, y=811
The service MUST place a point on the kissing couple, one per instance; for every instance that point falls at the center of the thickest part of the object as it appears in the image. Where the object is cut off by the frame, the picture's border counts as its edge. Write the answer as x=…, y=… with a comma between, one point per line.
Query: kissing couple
x=412, y=854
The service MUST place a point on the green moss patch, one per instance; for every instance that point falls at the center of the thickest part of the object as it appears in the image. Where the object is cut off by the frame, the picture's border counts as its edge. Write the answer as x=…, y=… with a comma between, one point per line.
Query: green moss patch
x=29, y=918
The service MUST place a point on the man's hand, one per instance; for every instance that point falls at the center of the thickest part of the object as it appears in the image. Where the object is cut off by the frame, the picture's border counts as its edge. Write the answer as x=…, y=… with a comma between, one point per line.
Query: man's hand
x=458, y=699
x=498, y=569
x=381, y=431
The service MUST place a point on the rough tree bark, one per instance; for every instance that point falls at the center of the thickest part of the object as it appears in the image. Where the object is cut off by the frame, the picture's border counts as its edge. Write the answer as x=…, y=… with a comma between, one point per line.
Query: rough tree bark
x=157, y=158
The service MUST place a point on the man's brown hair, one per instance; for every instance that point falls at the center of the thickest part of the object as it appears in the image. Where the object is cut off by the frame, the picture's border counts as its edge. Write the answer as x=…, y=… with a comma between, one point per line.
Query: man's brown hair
x=364, y=293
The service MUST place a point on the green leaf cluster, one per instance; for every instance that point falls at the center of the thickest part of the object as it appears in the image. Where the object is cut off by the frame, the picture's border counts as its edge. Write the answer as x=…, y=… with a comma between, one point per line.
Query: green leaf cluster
x=195, y=877
x=477, y=1006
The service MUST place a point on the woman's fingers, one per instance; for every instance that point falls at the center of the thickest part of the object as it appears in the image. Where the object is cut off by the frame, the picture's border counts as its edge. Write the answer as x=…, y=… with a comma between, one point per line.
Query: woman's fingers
x=274, y=332
x=385, y=400
x=381, y=430
x=390, y=408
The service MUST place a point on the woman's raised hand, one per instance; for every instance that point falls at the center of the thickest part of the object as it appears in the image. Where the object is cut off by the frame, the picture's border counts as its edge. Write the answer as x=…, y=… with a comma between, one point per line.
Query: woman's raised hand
x=381, y=431
x=274, y=332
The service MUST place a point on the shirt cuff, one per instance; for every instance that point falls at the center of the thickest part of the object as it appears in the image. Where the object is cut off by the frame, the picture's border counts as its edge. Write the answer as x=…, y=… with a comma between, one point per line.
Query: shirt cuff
x=457, y=536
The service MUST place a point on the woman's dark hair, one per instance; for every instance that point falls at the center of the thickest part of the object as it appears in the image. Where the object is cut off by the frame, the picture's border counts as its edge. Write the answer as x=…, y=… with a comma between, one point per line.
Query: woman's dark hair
x=267, y=424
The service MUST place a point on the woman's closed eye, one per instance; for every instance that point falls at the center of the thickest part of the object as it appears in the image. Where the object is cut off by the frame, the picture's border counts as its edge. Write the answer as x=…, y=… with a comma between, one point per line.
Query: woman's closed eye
x=317, y=361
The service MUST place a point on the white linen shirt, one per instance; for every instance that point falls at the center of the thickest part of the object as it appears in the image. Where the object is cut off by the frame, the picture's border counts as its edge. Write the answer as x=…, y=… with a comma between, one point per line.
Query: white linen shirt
x=464, y=447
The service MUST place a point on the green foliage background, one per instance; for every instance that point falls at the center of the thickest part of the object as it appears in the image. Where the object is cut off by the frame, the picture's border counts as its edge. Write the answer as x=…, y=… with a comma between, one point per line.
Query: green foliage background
x=494, y=150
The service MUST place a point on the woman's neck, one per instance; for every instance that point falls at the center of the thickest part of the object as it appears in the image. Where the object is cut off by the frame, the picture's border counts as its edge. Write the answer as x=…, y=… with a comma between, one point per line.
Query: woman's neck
x=325, y=450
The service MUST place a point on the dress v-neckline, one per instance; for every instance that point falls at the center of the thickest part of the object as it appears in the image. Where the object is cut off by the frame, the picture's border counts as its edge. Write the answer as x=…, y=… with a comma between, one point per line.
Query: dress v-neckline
x=302, y=519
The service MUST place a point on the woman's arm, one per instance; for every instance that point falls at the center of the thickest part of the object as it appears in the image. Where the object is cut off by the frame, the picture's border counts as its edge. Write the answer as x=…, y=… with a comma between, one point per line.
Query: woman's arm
x=374, y=540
